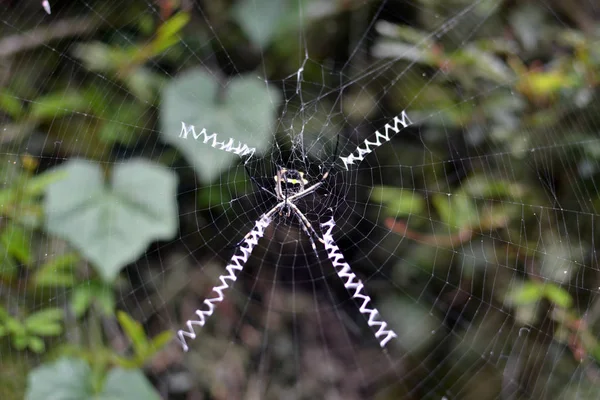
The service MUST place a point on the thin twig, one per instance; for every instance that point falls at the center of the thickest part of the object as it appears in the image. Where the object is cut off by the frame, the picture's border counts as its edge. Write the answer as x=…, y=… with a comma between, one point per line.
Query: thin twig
x=39, y=36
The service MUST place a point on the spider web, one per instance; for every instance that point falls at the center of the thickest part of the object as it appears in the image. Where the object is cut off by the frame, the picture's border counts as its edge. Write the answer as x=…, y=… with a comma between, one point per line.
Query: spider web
x=472, y=229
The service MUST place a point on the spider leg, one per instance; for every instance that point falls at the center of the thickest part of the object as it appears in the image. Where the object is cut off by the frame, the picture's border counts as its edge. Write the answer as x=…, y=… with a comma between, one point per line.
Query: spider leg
x=253, y=179
x=310, y=231
x=306, y=191
x=305, y=229
x=359, y=153
x=235, y=265
x=355, y=286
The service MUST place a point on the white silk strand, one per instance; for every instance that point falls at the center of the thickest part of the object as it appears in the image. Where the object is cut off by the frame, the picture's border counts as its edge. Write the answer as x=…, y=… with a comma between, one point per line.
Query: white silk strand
x=355, y=286
x=236, y=264
x=241, y=149
x=360, y=152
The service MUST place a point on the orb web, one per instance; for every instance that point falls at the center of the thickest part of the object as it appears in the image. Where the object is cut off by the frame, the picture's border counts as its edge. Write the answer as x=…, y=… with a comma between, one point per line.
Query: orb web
x=472, y=228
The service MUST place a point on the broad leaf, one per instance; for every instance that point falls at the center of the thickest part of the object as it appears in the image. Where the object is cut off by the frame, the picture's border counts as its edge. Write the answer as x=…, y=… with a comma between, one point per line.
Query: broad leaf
x=66, y=379
x=112, y=224
x=71, y=379
x=126, y=384
x=245, y=111
x=260, y=18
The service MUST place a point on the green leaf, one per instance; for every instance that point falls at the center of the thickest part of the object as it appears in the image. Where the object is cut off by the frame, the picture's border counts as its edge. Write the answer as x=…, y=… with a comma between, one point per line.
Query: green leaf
x=260, y=18
x=100, y=294
x=527, y=293
x=16, y=243
x=36, y=344
x=11, y=105
x=125, y=124
x=558, y=295
x=134, y=331
x=105, y=299
x=457, y=210
x=398, y=201
x=99, y=98
x=81, y=299
x=62, y=262
x=8, y=266
x=126, y=384
x=57, y=272
x=481, y=186
x=160, y=340
x=246, y=113
x=596, y=353
x=71, y=379
x=56, y=105
x=36, y=185
x=112, y=225
x=144, y=84
x=45, y=316
x=65, y=379
x=443, y=206
x=99, y=57
x=50, y=277
x=48, y=329
x=32, y=187
x=45, y=322
x=14, y=325
x=167, y=33
x=20, y=341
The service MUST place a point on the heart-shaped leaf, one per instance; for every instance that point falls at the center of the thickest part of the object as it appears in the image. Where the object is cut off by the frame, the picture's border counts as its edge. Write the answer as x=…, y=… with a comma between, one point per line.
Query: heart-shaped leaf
x=260, y=18
x=66, y=379
x=125, y=384
x=245, y=111
x=71, y=379
x=112, y=224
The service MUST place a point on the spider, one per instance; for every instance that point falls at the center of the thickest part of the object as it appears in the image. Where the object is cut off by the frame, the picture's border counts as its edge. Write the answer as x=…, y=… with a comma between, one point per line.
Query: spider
x=290, y=186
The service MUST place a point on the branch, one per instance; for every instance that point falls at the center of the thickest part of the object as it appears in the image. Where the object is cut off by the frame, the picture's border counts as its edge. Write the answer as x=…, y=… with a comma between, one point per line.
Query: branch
x=39, y=36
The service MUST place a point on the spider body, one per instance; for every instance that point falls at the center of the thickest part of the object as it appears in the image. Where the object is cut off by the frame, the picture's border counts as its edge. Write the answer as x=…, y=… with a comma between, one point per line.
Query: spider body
x=288, y=182
x=290, y=186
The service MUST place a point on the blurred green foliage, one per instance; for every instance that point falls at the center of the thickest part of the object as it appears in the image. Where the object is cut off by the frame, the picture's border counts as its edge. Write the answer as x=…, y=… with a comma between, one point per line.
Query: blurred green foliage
x=489, y=215
x=28, y=332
